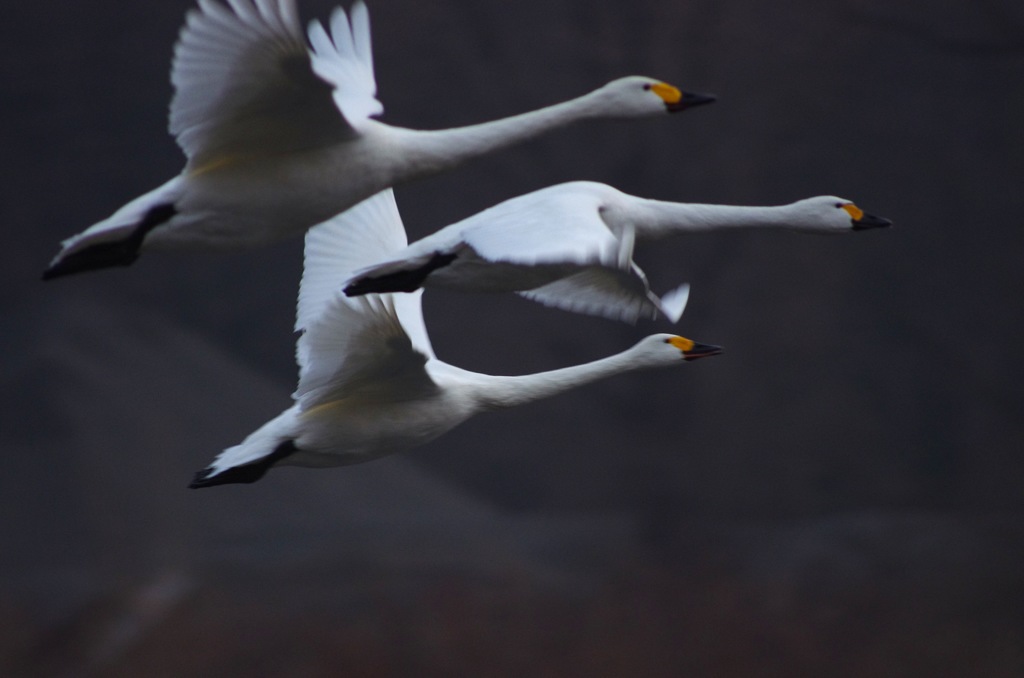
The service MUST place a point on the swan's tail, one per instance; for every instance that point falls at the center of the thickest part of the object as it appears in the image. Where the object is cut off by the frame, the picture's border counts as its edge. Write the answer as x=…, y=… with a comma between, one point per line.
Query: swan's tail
x=117, y=240
x=249, y=461
x=406, y=275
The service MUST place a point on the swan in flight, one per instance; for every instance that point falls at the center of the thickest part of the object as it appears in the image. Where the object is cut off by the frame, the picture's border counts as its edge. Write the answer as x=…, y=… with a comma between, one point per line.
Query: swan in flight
x=279, y=134
x=369, y=382
x=571, y=246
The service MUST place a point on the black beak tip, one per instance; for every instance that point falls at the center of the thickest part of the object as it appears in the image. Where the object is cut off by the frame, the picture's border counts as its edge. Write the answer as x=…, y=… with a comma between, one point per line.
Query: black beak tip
x=868, y=222
x=702, y=351
x=691, y=99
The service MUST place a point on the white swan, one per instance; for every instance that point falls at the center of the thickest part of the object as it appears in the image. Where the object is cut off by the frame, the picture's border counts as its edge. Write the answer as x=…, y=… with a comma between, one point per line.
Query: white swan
x=279, y=134
x=571, y=246
x=369, y=382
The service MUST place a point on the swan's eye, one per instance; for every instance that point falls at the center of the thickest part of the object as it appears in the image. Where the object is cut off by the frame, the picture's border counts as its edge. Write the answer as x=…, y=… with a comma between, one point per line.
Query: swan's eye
x=647, y=86
x=839, y=204
x=667, y=341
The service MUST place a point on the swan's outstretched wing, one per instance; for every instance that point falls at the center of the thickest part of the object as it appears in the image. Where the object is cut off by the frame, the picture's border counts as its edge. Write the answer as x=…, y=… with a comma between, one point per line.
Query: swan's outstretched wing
x=346, y=61
x=358, y=348
x=550, y=226
x=376, y=344
x=246, y=84
x=610, y=293
x=370, y=231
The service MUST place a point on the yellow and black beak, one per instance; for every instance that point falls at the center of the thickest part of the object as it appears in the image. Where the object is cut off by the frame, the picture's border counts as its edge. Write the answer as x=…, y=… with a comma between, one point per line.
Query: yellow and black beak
x=863, y=221
x=677, y=100
x=692, y=350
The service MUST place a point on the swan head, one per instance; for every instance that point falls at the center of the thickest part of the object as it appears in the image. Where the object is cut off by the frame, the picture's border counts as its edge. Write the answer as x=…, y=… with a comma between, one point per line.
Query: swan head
x=667, y=349
x=638, y=96
x=829, y=214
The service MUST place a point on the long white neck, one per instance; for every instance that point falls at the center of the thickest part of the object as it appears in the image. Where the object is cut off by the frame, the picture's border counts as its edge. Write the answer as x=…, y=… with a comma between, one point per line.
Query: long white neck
x=654, y=218
x=427, y=151
x=497, y=392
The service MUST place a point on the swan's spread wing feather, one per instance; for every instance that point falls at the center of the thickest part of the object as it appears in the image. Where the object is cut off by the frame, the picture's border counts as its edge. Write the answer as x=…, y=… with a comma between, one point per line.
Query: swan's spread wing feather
x=358, y=348
x=597, y=290
x=673, y=302
x=368, y=232
x=345, y=59
x=542, y=228
x=364, y=234
x=245, y=85
x=372, y=344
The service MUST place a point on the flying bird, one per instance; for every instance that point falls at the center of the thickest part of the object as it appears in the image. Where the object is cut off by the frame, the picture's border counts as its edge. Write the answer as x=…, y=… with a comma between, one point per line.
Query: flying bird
x=279, y=134
x=369, y=382
x=571, y=246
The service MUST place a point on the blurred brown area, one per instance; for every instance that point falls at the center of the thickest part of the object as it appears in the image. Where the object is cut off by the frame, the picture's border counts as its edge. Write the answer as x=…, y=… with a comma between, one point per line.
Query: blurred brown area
x=837, y=598
x=838, y=494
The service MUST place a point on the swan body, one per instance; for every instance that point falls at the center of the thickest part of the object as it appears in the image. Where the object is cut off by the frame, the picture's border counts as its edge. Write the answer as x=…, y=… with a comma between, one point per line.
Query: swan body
x=279, y=134
x=571, y=246
x=369, y=382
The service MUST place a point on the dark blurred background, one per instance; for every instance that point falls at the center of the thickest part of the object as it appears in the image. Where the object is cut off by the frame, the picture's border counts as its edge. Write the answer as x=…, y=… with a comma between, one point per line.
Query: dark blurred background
x=838, y=494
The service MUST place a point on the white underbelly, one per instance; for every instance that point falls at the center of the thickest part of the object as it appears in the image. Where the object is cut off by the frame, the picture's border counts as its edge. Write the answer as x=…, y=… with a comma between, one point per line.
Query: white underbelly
x=247, y=204
x=341, y=432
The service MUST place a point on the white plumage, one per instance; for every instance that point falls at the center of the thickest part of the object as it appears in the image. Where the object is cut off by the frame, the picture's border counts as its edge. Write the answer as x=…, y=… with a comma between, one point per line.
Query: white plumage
x=279, y=134
x=369, y=383
x=571, y=246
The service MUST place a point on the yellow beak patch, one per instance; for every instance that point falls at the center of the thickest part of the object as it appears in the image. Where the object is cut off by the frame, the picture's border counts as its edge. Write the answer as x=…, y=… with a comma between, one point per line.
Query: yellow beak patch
x=682, y=343
x=855, y=212
x=668, y=93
